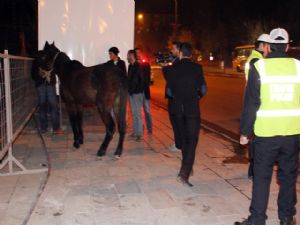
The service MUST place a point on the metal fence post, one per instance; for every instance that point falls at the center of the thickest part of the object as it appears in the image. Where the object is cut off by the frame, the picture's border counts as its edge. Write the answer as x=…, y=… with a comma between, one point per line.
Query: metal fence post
x=8, y=107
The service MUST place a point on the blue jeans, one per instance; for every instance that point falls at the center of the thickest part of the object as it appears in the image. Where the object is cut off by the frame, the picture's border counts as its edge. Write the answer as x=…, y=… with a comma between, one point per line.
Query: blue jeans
x=47, y=97
x=148, y=118
x=136, y=104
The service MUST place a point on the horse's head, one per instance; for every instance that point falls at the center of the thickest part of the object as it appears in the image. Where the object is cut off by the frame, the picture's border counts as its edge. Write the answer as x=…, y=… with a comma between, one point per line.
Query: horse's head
x=48, y=56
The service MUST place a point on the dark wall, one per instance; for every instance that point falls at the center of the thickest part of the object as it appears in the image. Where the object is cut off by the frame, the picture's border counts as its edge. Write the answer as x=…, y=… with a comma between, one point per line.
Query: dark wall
x=18, y=26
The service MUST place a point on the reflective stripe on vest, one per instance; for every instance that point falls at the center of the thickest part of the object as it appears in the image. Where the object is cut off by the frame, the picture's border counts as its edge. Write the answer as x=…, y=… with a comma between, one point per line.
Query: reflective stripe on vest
x=279, y=112
x=264, y=79
x=254, y=55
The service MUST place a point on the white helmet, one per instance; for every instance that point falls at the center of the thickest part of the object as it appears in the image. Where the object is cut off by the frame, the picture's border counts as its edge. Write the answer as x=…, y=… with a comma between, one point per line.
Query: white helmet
x=279, y=36
x=264, y=38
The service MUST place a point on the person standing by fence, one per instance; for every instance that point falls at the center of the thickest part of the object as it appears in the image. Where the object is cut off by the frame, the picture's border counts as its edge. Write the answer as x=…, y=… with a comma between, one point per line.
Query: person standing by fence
x=45, y=83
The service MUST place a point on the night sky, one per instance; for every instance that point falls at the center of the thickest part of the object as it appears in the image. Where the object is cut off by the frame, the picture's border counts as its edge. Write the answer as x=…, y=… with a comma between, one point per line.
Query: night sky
x=220, y=25
x=193, y=13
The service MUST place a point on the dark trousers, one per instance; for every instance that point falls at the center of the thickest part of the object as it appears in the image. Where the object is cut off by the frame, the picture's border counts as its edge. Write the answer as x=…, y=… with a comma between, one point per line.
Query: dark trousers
x=47, y=95
x=176, y=129
x=251, y=160
x=284, y=150
x=188, y=127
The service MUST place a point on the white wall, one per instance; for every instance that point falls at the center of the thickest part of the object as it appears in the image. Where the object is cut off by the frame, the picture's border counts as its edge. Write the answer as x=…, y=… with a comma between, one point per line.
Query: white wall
x=86, y=29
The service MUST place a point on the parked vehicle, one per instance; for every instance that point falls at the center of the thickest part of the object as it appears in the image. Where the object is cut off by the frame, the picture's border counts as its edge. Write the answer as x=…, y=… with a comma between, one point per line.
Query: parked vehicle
x=240, y=56
x=164, y=58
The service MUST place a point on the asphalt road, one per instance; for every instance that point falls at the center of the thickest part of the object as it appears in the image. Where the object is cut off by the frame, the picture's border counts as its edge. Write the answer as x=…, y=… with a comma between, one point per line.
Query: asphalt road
x=222, y=105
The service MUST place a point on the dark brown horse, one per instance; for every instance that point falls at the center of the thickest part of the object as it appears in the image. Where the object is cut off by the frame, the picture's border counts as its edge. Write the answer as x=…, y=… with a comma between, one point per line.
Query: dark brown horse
x=104, y=85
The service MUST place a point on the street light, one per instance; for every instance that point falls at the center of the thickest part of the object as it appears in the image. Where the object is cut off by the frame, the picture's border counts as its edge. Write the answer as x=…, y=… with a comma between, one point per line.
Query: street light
x=140, y=22
x=140, y=16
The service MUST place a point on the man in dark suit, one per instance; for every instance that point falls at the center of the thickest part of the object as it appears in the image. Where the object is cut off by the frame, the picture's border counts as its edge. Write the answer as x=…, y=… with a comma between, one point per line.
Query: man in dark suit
x=177, y=146
x=188, y=85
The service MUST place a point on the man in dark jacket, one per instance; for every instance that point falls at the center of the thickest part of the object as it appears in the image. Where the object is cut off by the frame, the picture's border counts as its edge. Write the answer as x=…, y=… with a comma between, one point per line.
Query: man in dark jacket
x=136, y=93
x=45, y=82
x=177, y=146
x=187, y=84
x=260, y=51
x=146, y=70
x=115, y=59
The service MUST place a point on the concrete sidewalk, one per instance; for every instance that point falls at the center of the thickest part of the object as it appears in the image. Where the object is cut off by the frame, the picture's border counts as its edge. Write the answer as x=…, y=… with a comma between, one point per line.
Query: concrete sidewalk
x=141, y=187
x=19, y=193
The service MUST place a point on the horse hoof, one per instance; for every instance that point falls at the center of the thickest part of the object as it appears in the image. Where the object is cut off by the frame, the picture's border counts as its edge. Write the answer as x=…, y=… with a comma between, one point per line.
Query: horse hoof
x=118, y=154
x=117, y=157
x=81, y=141
x=76, y=144
x=101, y=153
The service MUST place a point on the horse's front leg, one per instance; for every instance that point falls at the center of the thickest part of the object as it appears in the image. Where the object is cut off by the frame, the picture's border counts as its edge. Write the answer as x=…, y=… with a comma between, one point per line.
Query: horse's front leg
x=73, y=117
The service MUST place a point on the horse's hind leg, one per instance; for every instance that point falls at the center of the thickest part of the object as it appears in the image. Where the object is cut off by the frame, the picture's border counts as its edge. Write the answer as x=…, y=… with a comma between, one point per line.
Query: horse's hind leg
x=75, y=123
x=110, y=129
x=79, y=124
x=120, y=108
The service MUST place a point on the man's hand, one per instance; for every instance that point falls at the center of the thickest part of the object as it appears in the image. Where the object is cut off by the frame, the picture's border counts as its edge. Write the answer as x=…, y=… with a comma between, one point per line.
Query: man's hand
x=244, y=140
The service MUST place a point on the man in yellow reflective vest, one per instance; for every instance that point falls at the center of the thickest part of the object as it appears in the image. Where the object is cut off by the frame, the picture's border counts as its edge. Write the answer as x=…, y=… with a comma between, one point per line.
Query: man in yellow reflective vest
x=272, y=112
x=260, y=51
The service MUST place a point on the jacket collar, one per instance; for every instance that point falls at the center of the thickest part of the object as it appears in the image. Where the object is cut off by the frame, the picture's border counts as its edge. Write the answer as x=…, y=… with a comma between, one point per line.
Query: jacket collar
x=277, y=55
x=185, y=59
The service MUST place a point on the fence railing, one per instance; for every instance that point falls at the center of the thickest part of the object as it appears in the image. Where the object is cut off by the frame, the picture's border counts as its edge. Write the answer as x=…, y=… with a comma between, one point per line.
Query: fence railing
x=18, y=101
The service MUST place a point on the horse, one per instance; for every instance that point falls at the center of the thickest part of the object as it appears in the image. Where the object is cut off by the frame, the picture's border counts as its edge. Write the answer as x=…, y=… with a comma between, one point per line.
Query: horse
x=104, y=85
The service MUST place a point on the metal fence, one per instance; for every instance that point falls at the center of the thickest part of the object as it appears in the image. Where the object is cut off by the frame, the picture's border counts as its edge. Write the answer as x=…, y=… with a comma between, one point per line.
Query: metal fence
x=3, y=127
x=18, y=102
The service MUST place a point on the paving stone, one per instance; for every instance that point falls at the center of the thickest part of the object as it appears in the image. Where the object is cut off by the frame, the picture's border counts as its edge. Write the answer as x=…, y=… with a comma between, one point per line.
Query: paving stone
x=128, y=187
x=160, y=199
x=138, y=189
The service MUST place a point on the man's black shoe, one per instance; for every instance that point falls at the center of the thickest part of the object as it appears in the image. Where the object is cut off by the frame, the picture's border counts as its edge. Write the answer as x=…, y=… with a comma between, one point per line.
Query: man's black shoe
x=245, y=222
x=287, y=221
x=184, y=181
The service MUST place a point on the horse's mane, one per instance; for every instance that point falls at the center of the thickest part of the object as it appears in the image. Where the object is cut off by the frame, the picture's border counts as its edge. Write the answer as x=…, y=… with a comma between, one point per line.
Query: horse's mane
x=74, y=64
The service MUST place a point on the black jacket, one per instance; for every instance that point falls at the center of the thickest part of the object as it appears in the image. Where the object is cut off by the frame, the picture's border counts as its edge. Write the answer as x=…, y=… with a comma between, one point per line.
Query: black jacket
x=187, y=83
x=146, y=70
x=120, y=63
x=252, y=97
x=36, y=74
x=135, y=79
x=168, y=92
